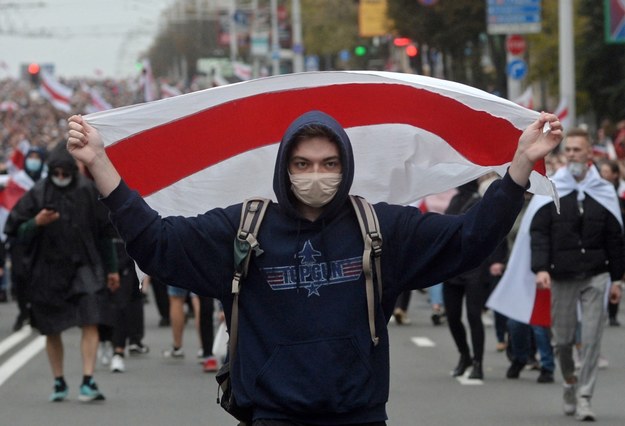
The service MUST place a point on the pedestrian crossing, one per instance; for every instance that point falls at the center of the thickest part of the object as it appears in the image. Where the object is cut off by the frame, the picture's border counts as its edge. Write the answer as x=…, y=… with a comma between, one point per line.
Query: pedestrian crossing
x=20, y=357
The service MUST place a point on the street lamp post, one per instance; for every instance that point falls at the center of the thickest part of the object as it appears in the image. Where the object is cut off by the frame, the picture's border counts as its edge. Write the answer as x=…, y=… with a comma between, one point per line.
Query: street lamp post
x=567, y=56
x=298, y=47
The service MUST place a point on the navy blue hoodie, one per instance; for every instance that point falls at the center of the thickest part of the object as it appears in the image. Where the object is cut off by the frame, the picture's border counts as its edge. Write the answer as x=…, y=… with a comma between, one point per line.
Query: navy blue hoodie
x=305, y=352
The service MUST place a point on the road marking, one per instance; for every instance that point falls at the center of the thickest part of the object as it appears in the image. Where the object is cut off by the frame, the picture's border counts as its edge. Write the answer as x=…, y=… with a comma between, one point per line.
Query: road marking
x=20, y=358
x=423, y=342
x=15, y=339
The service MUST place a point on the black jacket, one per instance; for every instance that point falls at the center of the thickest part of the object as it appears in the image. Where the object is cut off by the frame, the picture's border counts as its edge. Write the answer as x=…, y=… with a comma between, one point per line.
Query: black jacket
x=466, y=198
x=578, y=242
x=81, y=236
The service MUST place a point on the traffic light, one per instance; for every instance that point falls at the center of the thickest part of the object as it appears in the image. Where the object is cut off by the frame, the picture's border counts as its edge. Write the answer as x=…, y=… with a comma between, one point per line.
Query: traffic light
x=401, y=41
x=360, y=50
x=33, y=70
x=412, y=50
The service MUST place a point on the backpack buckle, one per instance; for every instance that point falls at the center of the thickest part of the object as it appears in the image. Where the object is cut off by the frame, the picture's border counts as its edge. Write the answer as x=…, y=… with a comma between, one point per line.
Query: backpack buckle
x=376, y=243
x=236, y=282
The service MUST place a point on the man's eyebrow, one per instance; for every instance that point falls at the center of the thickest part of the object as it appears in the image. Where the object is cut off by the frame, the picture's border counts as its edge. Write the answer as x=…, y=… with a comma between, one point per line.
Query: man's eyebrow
x=300, y=157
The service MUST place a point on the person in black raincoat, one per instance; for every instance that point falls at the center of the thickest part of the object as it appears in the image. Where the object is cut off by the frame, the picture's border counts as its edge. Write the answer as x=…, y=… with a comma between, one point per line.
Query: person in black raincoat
x=68, y=253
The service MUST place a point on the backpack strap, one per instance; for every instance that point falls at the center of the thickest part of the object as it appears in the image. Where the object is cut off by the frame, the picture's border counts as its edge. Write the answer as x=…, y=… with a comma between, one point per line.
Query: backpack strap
x=372, y=238
x=252, y=213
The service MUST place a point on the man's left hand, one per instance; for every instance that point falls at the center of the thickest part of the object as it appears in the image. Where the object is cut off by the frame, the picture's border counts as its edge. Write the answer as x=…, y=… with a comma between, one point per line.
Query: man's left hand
x=538, y=140
x=112, y=281
x=615, y=292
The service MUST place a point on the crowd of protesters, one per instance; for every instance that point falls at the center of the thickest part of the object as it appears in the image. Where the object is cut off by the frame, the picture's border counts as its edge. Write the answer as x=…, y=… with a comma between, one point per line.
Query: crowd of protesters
x=26, y=115
x=30, y=124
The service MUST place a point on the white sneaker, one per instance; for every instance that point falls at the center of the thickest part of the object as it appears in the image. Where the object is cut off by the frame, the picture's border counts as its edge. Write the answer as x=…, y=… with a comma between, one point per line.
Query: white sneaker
x=603, y=362
x=583, y=412
x=105, y=353
x=570, y=400
x=487, y=319
x=173, y=353
x=117, y=364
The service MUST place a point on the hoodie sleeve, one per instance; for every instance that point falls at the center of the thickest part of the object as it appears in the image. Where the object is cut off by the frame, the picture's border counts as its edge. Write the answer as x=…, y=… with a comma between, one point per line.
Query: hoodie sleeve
x=194, y=253
x=434, y=247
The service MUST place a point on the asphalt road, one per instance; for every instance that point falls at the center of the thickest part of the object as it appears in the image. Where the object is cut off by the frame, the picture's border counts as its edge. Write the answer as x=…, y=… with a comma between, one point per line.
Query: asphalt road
x=155, y=391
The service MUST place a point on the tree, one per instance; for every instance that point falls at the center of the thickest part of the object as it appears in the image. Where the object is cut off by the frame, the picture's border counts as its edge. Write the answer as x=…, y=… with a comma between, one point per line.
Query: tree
x=329, y=26
x=602, y=66
x=457, y=29
x=186, y=38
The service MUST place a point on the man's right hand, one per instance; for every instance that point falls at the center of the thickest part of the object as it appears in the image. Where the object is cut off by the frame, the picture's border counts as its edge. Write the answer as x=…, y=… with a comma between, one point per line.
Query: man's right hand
x=84, y=142
x=543, y=280
x=46, y=217
x=85, y=145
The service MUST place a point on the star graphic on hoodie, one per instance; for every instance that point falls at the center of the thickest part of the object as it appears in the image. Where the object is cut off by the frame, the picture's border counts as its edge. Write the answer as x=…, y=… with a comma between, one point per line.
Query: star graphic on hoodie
x=308, y=254
x=313, y=288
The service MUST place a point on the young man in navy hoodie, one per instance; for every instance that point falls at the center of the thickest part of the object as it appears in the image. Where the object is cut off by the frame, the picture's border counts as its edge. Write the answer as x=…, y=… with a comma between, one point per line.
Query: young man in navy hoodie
x=311, y=316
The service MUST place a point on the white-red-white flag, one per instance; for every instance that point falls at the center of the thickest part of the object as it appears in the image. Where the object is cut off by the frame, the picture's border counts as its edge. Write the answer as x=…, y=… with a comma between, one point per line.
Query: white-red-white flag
x=15, y=184
x=218, y=80
x=411, y=135
x=562, y=111
x=15, y=163
x=54, y=91
x=526, y=99
x=9, y=106
x=242, y=70
x=147, y=82
x=96, y=100
x=168, y=91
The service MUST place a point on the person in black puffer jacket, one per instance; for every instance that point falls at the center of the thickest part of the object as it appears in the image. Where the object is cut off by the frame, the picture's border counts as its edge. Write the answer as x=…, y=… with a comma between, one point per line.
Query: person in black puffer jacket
x=576, y=253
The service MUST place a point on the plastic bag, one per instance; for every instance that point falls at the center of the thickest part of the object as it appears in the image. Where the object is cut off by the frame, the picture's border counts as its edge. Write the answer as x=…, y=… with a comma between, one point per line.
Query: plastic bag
x=220, y=343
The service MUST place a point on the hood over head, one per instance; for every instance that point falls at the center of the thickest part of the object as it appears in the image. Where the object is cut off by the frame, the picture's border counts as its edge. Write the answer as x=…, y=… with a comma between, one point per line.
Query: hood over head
x=61, y=158
x=282, y=183
x=36, y=174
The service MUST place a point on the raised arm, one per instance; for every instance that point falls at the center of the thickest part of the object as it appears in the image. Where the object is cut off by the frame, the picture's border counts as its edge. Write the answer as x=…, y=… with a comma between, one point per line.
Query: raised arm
x=534, y=144
x=85, y=144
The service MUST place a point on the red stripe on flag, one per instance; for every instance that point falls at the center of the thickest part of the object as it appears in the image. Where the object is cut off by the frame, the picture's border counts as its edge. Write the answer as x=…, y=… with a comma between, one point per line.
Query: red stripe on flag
x=541, y=313
x=11, y=194
x=53, y=93
x=175, y=150
x=17, y=158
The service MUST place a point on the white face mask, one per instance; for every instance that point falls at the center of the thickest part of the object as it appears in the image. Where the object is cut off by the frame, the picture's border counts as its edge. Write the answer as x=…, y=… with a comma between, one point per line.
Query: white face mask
x=61, y=182
x=577, y=170
x=315, y=189
x=32, y=164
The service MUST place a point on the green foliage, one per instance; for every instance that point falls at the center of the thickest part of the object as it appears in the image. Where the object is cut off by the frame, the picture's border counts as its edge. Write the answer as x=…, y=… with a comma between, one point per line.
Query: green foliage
x=457, y=29
x=329, y=26
x=601, y=65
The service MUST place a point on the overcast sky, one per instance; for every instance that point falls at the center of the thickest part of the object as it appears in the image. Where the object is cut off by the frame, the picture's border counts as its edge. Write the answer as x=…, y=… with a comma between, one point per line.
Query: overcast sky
x=77, y=36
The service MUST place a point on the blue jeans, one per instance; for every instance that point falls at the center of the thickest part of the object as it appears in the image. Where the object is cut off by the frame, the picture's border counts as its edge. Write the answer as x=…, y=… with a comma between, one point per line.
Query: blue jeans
x=436, y=294
x=521, y=343
x=179, y=292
